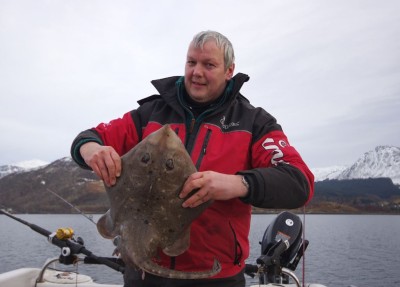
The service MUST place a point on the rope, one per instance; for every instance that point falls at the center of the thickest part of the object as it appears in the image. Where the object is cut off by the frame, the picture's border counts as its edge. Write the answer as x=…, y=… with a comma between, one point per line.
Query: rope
x=304, y=238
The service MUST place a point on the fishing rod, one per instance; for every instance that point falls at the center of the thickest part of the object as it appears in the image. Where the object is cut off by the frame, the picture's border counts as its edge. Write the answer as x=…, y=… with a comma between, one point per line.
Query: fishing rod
x=69, y=246
x=67, y=202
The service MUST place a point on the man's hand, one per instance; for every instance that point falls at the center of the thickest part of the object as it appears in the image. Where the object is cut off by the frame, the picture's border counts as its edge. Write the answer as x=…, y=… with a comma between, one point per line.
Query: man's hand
x=104, y=161
x=212, y=185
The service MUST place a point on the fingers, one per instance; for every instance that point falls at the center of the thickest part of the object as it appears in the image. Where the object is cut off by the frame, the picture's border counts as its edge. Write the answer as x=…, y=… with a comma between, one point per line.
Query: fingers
x=192, y=183
x=196, y=182
x=198, y=198
x=201, y=187
x=111, y=168
x=117, y=161
x=104, y=161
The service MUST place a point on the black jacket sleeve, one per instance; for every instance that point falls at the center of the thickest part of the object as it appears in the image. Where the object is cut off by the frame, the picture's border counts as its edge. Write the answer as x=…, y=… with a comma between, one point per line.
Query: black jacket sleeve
x=267, y=191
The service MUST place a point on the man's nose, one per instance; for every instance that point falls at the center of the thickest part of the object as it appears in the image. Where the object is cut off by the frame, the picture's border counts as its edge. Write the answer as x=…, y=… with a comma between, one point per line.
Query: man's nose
x=198, y=70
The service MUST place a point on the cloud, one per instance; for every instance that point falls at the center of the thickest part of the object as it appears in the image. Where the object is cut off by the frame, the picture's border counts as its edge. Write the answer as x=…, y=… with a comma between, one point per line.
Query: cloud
x=328, y=71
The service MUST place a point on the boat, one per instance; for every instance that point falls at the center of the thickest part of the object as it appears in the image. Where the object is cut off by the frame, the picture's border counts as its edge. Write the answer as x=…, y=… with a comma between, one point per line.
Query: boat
x=282, y=247
x=45, y=277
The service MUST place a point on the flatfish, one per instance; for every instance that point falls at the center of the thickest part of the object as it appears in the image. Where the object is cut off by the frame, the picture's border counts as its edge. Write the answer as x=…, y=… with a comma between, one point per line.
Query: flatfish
x=146, y=213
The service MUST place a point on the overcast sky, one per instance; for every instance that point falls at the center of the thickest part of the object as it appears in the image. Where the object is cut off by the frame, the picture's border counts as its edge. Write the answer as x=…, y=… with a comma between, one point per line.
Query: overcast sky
x=329, y=71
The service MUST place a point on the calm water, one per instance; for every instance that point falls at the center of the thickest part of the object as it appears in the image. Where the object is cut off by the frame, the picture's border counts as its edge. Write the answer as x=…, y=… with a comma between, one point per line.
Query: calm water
x=344, y=250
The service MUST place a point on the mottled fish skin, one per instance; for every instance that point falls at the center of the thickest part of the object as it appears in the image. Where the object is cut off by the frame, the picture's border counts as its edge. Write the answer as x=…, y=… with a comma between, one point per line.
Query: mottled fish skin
x=145, y=209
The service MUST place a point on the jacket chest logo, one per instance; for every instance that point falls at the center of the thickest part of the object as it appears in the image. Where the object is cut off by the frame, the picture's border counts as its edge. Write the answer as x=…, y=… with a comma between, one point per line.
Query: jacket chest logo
x=227, y=126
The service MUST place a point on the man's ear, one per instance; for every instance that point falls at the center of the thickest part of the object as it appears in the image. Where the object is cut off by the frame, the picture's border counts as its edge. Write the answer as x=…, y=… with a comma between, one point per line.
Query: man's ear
x=229, y=72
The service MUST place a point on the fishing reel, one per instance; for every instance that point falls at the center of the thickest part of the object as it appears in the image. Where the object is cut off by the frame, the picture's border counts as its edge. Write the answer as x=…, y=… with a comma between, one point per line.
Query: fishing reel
x=282, y=247
x=69, y=252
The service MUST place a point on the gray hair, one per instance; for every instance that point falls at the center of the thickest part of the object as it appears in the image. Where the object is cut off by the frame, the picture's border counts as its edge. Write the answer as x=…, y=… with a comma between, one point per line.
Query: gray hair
x=220, y=40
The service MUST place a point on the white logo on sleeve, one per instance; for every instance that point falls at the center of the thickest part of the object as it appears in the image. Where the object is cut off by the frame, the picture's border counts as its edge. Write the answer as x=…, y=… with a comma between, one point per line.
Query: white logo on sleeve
x=277, y=154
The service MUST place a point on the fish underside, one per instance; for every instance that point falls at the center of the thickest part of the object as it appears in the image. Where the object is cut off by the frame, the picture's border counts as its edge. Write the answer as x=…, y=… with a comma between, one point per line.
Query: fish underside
x=146, y=213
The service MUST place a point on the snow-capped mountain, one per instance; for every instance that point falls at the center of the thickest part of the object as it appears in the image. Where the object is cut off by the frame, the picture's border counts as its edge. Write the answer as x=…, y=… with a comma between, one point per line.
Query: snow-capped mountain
x=30, y=181
x=30, y=191
x=331, y=172
x=383, y=161
x=21, y=166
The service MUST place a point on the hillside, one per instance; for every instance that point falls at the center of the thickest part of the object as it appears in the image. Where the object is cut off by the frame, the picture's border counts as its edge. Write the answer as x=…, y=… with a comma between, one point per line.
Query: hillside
x=372, y=195
x=367, y=186
x=28, y=192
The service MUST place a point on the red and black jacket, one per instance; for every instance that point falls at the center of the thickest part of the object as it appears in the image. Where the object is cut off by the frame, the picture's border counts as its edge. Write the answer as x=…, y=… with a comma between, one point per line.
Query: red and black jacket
x=231, y=137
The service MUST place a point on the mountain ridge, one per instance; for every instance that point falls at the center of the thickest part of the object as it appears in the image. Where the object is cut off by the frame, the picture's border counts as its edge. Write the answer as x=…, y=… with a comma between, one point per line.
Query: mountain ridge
x=30, y=191
x=337, y=189
x=387, y=156
x=21, y=166
x=383, y=161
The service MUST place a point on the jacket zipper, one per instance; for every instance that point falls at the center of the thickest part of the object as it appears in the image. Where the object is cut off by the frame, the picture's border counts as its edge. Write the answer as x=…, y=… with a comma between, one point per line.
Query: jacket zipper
x=192, y=122
x=203, y=149
x=238, y=252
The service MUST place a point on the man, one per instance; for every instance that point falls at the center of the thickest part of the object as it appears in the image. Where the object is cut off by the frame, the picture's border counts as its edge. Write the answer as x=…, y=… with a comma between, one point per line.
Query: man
x=242, y=156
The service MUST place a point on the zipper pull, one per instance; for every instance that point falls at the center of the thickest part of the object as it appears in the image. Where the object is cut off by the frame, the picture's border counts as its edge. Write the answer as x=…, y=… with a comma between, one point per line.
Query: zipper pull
x=192, y=125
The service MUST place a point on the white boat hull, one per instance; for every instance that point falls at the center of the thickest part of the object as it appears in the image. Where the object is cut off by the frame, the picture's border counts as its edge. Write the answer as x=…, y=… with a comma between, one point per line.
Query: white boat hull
x=27, y=277
x=287, y=285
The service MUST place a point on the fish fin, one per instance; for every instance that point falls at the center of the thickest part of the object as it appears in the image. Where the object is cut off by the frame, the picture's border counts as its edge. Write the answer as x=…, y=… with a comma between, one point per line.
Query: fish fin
x=150, y=267
x=180, y=245
x=105, y=225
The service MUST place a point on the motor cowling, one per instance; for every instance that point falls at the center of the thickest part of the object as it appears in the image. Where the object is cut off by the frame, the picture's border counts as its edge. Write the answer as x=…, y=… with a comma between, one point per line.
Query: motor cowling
x=285, y=227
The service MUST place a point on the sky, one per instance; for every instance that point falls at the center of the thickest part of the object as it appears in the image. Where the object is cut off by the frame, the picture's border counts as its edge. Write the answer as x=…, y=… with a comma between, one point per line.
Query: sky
x=329, y=71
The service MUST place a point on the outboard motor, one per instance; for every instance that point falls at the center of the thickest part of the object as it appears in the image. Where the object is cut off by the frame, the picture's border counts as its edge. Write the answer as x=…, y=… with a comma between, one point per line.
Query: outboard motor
x=281, y=249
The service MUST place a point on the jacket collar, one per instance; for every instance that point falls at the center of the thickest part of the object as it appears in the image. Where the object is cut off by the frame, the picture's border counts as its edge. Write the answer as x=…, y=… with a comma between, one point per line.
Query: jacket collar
x=166, y=86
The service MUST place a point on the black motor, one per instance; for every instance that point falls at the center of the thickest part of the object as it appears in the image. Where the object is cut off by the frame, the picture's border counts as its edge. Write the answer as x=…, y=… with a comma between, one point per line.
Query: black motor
x=281, y=247
x=286, y=226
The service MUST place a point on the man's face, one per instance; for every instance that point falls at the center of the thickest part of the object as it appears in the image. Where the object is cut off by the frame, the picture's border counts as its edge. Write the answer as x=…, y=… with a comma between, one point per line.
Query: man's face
x=205, y=74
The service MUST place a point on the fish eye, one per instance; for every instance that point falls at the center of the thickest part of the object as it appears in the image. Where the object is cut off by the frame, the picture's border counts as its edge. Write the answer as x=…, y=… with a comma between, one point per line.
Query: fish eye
x=145, y=158
x=169, y=164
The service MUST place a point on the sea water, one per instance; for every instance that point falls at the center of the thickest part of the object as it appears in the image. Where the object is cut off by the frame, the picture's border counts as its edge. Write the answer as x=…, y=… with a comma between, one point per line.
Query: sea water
x=344, y=250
